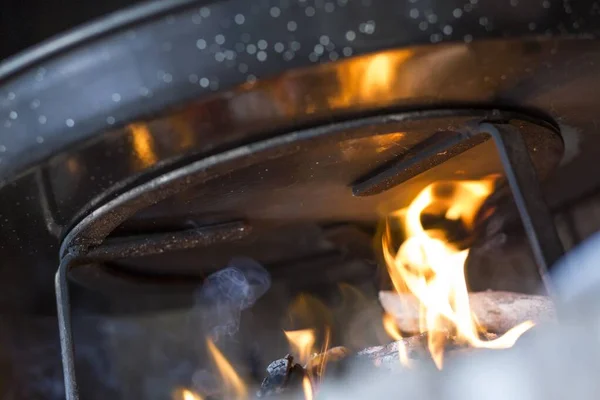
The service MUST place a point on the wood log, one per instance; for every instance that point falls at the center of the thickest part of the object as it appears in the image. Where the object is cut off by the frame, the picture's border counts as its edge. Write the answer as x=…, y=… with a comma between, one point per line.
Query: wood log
x=284, y=376
x=496, y=311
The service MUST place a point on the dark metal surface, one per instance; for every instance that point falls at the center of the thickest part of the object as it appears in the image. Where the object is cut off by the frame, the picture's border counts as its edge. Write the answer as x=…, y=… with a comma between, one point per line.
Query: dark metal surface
x=124, y=74
x=65, y=329
x=132, y=246
x=415, y=161
x=523, y=181
x=98, y=117
x=305, y=175
x=85, y=33
x=334, y=92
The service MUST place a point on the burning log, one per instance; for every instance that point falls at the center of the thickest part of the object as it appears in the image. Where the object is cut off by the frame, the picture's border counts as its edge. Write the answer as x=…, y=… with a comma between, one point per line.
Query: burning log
x=285, y=375
x=496, y=312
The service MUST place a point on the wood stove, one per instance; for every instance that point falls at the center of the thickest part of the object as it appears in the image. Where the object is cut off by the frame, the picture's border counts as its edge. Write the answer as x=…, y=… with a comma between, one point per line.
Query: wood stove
x=188, y=130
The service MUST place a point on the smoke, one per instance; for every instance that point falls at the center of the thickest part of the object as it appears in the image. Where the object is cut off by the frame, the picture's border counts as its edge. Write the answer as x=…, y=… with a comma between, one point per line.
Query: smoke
x=227, y=292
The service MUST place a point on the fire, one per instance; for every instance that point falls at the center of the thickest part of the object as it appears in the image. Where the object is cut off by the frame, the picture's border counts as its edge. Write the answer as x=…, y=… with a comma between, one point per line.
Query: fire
x=322, y=363
x=431, y=268
x=307, y=388
x=302, y=341
x=230, y=377
x=186, y=394
x=392, y=329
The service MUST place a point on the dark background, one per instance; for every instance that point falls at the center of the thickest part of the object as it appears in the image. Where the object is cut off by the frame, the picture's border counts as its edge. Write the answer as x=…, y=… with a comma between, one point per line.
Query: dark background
x=26, y=23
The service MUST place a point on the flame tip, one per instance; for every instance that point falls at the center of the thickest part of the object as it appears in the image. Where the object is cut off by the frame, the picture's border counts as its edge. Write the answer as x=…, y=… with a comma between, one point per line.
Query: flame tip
x=230, y=377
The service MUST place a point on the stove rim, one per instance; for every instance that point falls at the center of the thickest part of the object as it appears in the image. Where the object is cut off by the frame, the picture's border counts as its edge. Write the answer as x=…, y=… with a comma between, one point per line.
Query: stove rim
x=91, y=229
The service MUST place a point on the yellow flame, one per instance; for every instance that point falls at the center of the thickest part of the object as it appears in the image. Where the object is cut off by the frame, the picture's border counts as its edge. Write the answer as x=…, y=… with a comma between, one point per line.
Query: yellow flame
x=231, y=379
x=186, y=394
x=432, y=269
x=307, y=388
x=322, y=365
x=391, y=328
x=302, y=341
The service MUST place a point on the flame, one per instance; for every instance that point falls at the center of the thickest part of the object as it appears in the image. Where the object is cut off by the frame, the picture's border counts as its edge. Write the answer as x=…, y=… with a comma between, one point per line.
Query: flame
x=432, y=269
x=392, y=329
x=321, y=368
x=230, y=377
x=302, y=341
x=307, y=388
x=186, y=394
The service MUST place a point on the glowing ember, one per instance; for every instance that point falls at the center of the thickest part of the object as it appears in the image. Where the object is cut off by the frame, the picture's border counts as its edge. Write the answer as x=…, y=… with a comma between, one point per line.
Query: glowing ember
x=302, y=341
x=432, y=269
x=233, y=382
x=392, y=329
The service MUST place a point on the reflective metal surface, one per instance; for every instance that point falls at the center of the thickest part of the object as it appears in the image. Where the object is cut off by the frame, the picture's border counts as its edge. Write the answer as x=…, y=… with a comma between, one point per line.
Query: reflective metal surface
x=302, y=177
x=170, y=55
x=89, y=120
x=469, y=75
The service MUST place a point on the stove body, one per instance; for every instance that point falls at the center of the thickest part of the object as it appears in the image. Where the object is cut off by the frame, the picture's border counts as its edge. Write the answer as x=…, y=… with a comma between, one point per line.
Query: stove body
x=146, y=149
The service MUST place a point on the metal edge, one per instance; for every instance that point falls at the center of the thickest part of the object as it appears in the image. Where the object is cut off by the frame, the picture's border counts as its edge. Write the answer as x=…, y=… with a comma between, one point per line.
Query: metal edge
x=127, y=203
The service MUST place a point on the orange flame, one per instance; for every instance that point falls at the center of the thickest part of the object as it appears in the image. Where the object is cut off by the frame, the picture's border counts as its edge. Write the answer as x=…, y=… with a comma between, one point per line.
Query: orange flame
x=432, y=269
x=392, y=329
x=186, y=394
x=230, y=377
x=302, y=341
x=307, y=388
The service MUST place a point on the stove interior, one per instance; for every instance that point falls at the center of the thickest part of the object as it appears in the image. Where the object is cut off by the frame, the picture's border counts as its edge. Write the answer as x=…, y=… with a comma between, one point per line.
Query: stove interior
x=312, y=257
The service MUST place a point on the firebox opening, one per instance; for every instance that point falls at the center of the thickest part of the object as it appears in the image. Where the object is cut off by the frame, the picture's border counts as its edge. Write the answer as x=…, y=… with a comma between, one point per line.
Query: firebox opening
x=310, y=267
